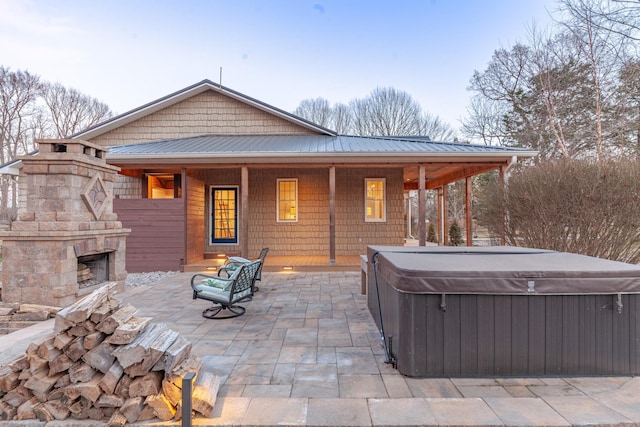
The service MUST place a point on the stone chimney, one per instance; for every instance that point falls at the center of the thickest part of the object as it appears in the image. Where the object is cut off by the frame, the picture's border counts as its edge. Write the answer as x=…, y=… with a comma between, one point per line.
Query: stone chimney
x=66, y=238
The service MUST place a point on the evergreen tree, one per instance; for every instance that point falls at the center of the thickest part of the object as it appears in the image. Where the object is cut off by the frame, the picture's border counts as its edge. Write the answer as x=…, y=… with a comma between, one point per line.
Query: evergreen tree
x=431, y=233
x=455, y=234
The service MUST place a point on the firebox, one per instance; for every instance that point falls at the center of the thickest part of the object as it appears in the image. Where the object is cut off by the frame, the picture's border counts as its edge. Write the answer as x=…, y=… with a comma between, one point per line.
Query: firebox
x=93, y=269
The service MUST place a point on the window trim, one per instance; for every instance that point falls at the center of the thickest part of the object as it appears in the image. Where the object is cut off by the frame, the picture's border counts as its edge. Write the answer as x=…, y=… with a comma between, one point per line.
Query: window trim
x=213, y=242
x=278, y=219
x=384, y=200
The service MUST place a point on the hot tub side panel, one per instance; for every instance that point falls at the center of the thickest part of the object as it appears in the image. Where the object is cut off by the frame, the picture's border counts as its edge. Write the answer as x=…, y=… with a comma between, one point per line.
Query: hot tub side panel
x=503, y=335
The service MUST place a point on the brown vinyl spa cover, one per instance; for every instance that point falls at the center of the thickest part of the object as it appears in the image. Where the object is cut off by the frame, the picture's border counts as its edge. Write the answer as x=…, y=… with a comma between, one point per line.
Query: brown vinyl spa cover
x=499, y=270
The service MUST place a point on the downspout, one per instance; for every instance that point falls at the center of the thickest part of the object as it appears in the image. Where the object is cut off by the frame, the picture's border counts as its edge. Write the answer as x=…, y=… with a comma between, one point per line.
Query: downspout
x=512, y=163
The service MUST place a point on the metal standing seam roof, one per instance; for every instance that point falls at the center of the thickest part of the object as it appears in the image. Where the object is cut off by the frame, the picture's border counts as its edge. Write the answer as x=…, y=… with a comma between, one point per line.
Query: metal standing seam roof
x=341, y=144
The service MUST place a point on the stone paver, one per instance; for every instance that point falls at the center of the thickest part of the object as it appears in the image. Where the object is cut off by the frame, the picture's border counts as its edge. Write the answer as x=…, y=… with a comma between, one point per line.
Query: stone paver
x=583, y=410
x=463, y=412
x=405, y=412
x=338, y=412
x=526, y=412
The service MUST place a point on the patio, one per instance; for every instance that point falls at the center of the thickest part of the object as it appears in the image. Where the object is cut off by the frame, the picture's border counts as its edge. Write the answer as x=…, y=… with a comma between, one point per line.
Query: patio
x=307, y=353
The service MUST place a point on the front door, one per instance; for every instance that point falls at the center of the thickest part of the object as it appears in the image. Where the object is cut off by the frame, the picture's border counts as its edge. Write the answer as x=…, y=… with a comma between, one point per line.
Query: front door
x=224, y=215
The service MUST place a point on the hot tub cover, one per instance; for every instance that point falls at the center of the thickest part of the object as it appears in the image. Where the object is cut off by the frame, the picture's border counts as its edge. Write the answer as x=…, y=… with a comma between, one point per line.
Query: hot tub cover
x=500, y=270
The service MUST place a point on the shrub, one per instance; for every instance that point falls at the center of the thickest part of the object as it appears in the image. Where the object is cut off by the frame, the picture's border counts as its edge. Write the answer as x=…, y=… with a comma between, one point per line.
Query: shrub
x=431, y=233
x=577, y=206
x=455, y=234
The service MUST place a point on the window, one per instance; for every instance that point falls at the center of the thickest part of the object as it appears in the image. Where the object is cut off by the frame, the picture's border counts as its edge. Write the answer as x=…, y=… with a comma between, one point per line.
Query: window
x=224, y=215
x=287, y=197
x=374, y=197
x=163, y=186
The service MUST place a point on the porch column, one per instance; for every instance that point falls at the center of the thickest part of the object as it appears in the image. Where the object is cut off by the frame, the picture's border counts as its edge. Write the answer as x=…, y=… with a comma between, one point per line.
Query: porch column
x=244, y=212
x=184, y=190
x=445, y=219
x=503, y=237
x=422, y=207
x=468, y=212
x=332, y=215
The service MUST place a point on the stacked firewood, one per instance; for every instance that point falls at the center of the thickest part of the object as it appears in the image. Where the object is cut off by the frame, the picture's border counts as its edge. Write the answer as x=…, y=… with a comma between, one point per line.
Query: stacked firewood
x=103, y=363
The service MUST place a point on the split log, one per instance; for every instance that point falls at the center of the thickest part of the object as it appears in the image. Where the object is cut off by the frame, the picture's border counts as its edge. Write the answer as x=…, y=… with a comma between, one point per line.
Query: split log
x=89, y=389
x=100, y=357
x=20, y=364
x=25, y=411
x=17, y=396
x=172, y=383
x=93, y=339
x=111, y=378
x=60, y=364
x=48, y=351
x=40, y=382
x=154, y=337
x=71, y=392
x=205, y=391
x=76, y=349
x=179, y=351
x=147, y=385
x=63, y=381
x=82, y=329
x=109, y=401
x=81, y=372
x=128, y=331
x=41, y=413
x=108, y=307
x=7, y=412
x=118, y=318
x=8, y=379
x=117, y=420
x=57, y=409
x=80, y=410
x=122, y=389
x=95, y=413
x=161, y=407
x=62, y=340
x=32, y=308
x=132, y=408
x=37, y=363
x=147, y=413
x=81, y=310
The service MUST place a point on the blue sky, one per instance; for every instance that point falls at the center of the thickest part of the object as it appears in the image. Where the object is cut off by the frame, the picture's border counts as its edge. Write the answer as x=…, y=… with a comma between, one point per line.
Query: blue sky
x=128, y=53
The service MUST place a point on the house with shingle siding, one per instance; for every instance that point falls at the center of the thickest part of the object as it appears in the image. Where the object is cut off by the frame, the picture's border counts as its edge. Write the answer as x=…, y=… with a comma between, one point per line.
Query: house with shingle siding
x=207, y=170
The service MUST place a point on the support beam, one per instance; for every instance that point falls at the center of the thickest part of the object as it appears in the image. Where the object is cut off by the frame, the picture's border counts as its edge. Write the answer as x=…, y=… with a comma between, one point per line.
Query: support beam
x=332, y=215
x=445, y=221
x=468, y=198
x=422, y=207
x=440, y=219
x=244, y=216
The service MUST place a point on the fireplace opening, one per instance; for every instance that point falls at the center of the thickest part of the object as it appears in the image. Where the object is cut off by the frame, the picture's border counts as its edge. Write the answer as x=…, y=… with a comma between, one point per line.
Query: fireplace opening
x=93, y=269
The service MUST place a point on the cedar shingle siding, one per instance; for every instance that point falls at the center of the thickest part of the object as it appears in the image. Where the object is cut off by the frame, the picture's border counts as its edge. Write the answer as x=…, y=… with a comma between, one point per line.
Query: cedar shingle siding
x=205, y=113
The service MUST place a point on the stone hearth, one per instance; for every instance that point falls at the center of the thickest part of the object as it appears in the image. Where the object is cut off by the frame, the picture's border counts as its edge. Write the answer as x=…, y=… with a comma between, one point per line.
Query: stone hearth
x=65, y=211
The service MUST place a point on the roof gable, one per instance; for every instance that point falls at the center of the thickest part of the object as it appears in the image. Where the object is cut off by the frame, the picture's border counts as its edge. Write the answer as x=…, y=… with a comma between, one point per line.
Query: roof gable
x=250, y=116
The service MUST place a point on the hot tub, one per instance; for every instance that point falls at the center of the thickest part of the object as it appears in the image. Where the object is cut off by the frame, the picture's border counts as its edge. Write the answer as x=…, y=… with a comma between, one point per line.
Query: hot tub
x=504, y=311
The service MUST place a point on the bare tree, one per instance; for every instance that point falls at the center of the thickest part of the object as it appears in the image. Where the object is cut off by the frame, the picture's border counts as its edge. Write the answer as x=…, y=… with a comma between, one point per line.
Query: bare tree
x=437, y=130
x=71, y=111
x=342, y=119
x=18, y=95
x=387, y=112
x=316, y=110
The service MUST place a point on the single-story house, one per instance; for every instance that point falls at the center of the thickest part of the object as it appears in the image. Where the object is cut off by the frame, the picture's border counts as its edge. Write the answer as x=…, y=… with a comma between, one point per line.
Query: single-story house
x=207, y=170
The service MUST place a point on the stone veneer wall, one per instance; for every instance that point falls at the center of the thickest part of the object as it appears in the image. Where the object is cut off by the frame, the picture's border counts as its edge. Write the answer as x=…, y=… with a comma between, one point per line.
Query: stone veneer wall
x=65, y=211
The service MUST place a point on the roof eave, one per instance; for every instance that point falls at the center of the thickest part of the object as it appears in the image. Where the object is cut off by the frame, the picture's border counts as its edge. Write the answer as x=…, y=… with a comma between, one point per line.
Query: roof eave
x=296, y=157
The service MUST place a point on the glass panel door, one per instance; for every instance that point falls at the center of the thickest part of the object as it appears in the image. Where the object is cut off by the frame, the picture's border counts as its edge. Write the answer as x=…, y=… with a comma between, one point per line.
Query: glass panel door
x=224, y=212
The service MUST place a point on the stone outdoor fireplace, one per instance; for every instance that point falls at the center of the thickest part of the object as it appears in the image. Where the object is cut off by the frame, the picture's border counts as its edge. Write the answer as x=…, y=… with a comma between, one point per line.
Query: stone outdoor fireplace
x=66, y=239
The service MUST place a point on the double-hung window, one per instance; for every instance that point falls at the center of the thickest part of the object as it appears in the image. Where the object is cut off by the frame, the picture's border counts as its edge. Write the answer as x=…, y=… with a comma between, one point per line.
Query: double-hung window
x=375, y=209
x=287, y=200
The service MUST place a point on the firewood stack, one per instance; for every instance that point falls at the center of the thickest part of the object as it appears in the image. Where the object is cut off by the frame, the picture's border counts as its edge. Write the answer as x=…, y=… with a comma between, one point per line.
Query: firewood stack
x=104, y=363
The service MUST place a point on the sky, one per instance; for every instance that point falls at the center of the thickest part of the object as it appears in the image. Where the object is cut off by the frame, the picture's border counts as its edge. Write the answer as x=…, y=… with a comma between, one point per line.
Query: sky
x=127, y=53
